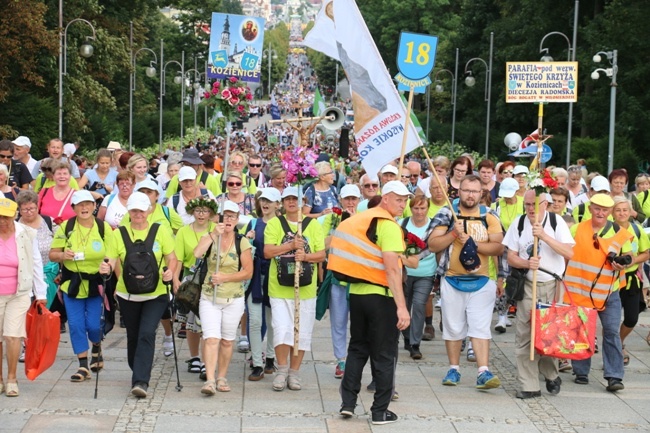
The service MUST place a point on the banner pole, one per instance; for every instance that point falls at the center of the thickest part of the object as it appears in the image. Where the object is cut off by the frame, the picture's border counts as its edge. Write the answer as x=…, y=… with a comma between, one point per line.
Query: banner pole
x=406, y=130
x=535, y=163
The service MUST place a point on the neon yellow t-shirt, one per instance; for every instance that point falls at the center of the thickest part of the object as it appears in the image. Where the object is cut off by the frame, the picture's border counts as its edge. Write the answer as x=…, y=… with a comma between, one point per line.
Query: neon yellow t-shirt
x=389, y=238
x=186, y=240
x=162, y=246
x=49, y=183
x=433, y=209
x=87, y=241
x=211, y=185
x=273, y=235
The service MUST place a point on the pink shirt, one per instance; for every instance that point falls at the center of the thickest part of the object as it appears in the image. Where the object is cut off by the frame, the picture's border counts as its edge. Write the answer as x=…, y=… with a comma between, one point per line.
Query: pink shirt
x=51, y=207
x=8, y=266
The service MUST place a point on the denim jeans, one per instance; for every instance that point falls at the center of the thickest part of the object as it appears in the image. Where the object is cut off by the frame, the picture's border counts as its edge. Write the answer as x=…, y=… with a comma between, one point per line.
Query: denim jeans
x=84, y=321
x=141, y=320
x=339, y=315
x=255, y=337
x=611, y=348
x=416, y=292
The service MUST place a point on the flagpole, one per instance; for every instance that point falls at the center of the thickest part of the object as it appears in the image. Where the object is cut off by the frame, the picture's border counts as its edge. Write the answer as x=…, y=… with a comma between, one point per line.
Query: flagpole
x=533, y=317
x=406, y=130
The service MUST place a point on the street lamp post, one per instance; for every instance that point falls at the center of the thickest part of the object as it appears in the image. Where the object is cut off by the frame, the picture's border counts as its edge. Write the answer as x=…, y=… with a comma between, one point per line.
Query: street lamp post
x=269, y=54
x=86, y=50
x=150, y=72
x=471, y=81
x=612, y=56
x=571, y=56
x=439, y=89
x=162, y=91
x=187, y=80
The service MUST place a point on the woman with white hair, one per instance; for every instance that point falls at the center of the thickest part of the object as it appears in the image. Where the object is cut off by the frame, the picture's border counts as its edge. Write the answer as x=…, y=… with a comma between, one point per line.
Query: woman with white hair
x=321, y=196
x=5, y=189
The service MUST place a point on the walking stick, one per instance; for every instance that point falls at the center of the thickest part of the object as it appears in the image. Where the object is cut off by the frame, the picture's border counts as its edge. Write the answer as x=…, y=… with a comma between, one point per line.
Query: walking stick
x=435, y=173
x=102, y=320
x=171, y=321
x=296, y=282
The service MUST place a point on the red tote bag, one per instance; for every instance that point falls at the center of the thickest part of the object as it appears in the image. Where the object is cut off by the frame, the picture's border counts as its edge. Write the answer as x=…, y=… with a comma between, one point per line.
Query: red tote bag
x=42, y=342
x=565, y=331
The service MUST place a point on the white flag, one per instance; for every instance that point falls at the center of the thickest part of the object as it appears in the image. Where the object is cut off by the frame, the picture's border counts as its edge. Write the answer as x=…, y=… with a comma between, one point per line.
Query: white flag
x=379, y=114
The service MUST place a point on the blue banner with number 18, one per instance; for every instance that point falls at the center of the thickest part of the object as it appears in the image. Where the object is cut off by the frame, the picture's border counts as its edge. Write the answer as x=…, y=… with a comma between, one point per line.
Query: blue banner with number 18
x=416, y=56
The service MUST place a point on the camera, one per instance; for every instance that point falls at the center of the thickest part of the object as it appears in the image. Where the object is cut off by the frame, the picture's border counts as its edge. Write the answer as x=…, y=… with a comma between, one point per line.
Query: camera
x=621, y=260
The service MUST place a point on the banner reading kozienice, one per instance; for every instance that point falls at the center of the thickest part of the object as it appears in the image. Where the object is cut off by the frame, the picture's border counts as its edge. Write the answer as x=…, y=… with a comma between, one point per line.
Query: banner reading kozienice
x=236, y=44
x=542, y=82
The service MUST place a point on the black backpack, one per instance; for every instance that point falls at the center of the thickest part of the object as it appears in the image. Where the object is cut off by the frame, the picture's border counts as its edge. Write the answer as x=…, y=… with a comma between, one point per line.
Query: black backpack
x=140, y=271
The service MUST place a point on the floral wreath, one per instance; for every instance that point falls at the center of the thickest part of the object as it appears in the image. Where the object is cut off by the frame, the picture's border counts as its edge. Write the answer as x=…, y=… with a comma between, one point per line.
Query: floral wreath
x=201, y=202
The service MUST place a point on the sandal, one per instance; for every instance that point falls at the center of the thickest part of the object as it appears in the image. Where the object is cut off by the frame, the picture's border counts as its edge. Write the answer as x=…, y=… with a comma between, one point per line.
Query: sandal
x=97, y=358
x=209, y=388
x=11, y=389
x=626, y=357
x=194, y=365
x=81, y=375
x=222, y=384
x=204, y=373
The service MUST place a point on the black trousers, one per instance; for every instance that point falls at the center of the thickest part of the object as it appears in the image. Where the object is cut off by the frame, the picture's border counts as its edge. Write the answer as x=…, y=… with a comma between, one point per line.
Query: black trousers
x=141, y=320
x=374, y=335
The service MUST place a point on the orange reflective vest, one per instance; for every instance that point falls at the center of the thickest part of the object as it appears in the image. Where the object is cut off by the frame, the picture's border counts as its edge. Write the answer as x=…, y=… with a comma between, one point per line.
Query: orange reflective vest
x=590, y=277
x=353, y=256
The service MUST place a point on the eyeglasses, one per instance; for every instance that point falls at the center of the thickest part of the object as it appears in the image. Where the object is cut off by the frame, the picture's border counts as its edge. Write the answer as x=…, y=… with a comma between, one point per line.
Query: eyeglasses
x=506, y=172
x=28, y=209
x=255, y=165
x=456, y=170
x=471, y=191
x=234, y=183
x=406, y=176
x=201, y=210
x=230, y=216
x=415, y=175
x=5, y=156
x=533, y=204
x=328, y=173
x=371, y=185
x=237, y=162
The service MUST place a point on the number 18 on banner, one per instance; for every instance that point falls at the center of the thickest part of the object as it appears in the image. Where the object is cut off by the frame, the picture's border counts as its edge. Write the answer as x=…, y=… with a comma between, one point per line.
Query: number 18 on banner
x=416, y=57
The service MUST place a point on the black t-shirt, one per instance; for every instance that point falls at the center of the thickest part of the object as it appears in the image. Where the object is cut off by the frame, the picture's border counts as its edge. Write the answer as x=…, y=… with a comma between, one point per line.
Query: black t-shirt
x=19, y=174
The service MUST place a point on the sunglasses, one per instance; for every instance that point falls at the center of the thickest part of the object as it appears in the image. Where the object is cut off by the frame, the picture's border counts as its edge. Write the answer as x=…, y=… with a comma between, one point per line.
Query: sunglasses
x=596, y=243
x=507, y=172
x=4, y=156
x=255, y=165
x=406, y=176
x=371, y=185
x=234, y=183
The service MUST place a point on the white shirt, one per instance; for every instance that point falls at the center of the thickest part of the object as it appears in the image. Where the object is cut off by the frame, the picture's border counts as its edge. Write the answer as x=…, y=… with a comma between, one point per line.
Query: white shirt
x=115, y=211
x=551, y=260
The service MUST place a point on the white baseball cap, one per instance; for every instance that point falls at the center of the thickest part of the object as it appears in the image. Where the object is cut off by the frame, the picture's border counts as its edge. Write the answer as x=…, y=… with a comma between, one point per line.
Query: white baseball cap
x=396, y=187
x=600, y=183
x=290, y=191
x=23, y=141
x=519, y=169
x=508, y=187
x=69, y=149
x=114, y=145
x=271, y=194
x=138, y=201
x=82, y=196
x=350, y=191
x=229, y=206
x=186, y=173
x=146, y=184
x=388, y=168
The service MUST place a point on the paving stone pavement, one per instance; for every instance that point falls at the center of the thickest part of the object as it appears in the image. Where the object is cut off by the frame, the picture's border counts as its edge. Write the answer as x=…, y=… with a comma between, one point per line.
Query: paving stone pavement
x=53, y=404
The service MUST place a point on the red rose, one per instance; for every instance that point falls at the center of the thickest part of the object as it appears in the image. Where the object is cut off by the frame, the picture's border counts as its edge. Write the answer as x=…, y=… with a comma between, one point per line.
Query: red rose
x=206, y=95
x=337, y=211
x=233, y=79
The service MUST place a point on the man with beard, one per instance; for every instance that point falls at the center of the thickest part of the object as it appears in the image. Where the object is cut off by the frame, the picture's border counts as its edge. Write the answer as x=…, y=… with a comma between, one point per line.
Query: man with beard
x=466, y=290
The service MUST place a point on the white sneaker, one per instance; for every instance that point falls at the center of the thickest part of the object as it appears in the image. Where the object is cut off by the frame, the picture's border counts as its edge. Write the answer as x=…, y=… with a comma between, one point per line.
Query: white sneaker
x=243, y=346
x=508, y=322
x=501, y=325
x=168, y=346
x=438, y=304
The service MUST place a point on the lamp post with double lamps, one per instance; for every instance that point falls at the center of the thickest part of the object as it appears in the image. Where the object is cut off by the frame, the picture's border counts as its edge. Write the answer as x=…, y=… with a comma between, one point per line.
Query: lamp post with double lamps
x=439, y=89
x=177, y=80
x=150, y=72
x=86, y=50
x=269, y=54
x=195, y=86
x=612, y=56
x=471, y=81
